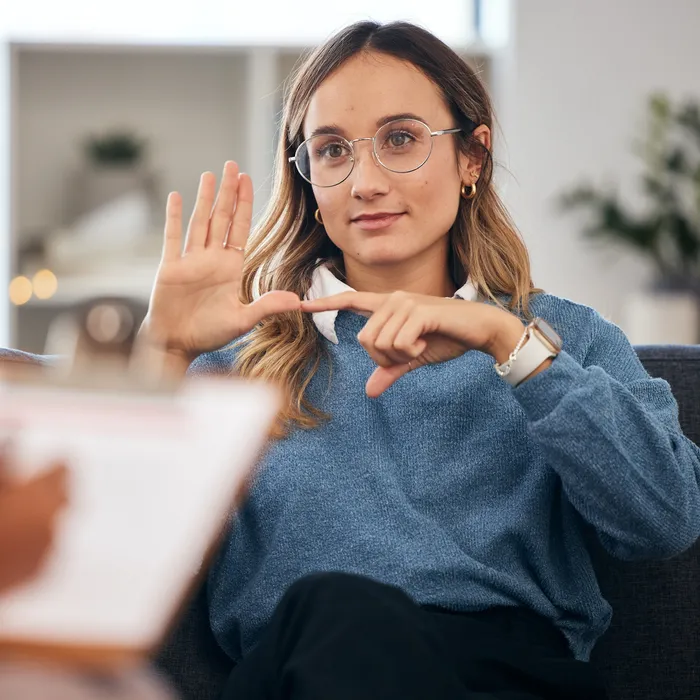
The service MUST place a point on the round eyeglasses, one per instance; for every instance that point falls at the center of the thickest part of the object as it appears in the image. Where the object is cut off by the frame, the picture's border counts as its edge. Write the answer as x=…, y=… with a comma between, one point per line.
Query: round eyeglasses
x=401, y=146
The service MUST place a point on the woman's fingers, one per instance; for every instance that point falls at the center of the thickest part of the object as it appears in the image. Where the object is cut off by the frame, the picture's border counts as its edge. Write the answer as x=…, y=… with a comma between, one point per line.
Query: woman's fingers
x=377, y=337
x=198, y=228
x=172, y=244
x=356, y=301
x=222, y=214
x=211, y=219
x=408, y=340
x=243, y=214
x=383, y=377
x=269, y=304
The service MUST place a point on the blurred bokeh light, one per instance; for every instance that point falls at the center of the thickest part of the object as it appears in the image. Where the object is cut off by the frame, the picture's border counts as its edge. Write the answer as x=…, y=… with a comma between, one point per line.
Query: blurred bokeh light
x=20, y=290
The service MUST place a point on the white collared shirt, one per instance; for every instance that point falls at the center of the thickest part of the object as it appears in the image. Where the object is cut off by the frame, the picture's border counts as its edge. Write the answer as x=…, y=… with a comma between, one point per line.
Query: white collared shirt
x=324, y=283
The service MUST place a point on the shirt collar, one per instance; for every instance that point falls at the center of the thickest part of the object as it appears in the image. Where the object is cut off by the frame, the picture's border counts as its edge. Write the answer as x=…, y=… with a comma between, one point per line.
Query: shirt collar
x=324, y=283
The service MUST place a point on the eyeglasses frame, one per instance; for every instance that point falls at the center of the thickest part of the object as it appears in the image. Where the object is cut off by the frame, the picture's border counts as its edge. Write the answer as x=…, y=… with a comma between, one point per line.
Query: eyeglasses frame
x=440, y=132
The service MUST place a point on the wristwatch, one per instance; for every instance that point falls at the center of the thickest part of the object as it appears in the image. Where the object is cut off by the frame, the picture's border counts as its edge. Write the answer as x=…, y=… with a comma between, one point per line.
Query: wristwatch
x=539, y=342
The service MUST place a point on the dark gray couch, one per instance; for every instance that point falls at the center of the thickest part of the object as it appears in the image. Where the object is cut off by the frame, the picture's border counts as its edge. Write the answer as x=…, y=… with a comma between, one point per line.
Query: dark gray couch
x=651, y=652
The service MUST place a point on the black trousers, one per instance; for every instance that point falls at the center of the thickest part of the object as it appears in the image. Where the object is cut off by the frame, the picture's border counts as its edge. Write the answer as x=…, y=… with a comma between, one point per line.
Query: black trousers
x=341, y=637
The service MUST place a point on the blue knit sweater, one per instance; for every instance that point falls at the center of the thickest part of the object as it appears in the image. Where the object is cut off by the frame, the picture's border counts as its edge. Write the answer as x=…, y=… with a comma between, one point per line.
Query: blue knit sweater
x=465, y=492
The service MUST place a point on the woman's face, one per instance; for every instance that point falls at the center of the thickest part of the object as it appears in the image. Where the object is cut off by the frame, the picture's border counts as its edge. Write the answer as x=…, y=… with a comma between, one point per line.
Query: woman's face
x=421, y=206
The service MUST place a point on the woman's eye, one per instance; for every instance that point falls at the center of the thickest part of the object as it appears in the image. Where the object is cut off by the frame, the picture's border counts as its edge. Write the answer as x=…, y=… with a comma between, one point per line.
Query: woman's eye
x=397, y=139
x=333, y=150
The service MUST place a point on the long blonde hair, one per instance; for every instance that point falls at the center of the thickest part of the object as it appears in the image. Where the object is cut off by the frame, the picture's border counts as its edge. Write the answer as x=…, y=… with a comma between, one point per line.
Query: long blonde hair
x=287, y=244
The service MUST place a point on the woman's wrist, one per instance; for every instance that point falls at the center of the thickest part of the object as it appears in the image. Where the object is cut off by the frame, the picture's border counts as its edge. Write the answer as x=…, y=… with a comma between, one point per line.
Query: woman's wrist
x=172, y=363
x=504, y=337
x=175, y=364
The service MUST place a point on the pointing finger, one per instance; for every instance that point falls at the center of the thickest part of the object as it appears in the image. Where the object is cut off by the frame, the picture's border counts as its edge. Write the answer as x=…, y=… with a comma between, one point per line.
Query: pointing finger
x=356, y=301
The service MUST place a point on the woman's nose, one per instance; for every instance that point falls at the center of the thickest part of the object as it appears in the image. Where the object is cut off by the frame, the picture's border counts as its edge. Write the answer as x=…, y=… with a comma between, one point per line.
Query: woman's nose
x=369, y=178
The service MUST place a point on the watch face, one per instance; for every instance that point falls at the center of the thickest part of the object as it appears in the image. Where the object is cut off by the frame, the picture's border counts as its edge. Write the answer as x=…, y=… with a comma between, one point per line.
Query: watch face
x=548, y=333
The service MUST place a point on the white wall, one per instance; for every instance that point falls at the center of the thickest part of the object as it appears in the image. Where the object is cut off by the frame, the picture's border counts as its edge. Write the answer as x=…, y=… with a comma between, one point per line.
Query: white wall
x=278, y=23
x=578, y=75
x=188, y=106
x=6, y=246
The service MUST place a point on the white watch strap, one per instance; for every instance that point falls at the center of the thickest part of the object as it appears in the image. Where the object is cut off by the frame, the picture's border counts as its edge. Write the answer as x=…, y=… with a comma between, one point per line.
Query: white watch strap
x=530, y=356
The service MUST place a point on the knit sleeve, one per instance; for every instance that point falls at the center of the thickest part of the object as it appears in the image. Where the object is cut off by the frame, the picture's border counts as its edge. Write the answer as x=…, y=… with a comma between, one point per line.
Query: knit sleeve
x=213, y=363
x=612, y=434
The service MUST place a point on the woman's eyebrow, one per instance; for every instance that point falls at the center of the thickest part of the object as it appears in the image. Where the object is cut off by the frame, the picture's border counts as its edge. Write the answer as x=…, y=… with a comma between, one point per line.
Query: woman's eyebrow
x=403, y=115
x=327, y=129
x=335, y=129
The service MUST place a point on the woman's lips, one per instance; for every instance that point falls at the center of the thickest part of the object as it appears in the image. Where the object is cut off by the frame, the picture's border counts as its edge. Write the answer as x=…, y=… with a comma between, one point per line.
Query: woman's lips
x=377, y=222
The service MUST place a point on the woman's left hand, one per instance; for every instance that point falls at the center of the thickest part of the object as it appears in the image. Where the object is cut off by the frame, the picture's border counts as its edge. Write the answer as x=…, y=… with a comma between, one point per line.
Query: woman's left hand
x=408, y=330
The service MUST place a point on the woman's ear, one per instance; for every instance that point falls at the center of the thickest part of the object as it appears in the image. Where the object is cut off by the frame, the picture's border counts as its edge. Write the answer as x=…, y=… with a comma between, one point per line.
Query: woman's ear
x=483, y=133
x=470, y=163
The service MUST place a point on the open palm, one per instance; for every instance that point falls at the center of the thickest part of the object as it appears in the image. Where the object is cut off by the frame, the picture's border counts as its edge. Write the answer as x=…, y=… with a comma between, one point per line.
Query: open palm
x=195, y=306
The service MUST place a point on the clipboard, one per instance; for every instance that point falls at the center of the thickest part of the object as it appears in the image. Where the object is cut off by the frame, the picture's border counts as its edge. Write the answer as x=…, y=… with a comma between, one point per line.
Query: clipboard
x=153, y=478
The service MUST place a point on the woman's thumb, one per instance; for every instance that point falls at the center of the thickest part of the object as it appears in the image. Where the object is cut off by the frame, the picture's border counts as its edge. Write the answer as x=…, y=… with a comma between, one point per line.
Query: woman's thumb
x=272, y=303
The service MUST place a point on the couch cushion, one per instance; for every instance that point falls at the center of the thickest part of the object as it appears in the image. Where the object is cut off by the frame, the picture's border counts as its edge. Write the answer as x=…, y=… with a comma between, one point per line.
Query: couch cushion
x=9, y=355
x=191, y=657
x=679, y=365
x=652, y=649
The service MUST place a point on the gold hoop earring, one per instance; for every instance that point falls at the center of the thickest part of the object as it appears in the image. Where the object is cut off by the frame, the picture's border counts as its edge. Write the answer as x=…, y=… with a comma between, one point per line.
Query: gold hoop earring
x=317, y=216
x=472, y=192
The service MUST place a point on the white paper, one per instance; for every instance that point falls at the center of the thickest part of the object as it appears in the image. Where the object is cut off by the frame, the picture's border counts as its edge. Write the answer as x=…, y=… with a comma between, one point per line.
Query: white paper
x=152, y=480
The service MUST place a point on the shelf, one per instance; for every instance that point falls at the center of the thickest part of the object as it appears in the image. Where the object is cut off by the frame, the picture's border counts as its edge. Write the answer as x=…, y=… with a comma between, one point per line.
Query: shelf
x=134, y=282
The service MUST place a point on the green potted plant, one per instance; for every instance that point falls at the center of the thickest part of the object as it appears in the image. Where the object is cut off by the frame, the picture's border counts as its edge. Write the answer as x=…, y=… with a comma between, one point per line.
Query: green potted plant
x=118, y=148
x=113, y=167
x=666, y=229
x=668, y=232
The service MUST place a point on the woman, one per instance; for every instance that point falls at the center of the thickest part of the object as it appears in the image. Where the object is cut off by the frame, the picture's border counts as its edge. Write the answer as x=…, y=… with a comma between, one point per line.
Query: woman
x=422, y=527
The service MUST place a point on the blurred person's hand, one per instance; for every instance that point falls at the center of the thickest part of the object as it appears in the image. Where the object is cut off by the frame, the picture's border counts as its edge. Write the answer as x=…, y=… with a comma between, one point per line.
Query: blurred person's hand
x=28, y=513
x=195, y=305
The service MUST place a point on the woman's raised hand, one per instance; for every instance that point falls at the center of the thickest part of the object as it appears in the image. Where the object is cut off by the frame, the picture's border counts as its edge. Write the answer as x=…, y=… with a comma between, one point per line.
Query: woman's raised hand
x=195, y=305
